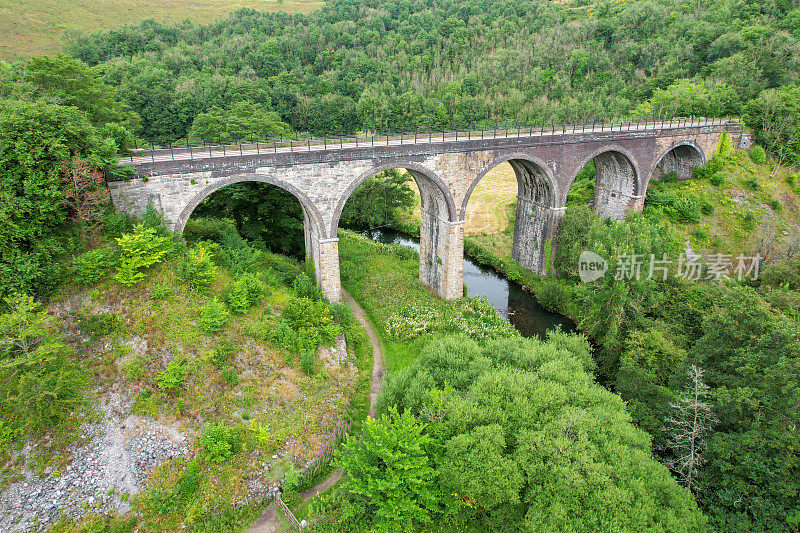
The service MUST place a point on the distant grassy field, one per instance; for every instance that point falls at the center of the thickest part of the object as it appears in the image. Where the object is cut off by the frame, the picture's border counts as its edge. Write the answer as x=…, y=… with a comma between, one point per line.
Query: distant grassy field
x=36, y=27
x=491, y=207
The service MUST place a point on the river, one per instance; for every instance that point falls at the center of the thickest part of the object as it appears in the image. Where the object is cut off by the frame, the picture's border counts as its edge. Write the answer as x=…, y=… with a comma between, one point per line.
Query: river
x=513, y=303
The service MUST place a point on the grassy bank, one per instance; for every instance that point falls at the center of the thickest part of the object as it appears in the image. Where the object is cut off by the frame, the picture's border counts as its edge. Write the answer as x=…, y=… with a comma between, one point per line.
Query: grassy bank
x=382, y=279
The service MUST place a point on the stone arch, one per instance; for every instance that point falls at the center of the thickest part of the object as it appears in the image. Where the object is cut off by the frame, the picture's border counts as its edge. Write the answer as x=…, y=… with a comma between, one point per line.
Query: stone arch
x=681, y=157
x=426, y=180
x=437, y=268
x=537, y=216
x=310, y=211
x=530, y=170
x=618, y=181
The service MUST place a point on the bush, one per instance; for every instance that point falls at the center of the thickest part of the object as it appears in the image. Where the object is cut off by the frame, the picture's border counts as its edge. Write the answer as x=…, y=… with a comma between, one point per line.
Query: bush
x=669, y=177
x=140, y=249
x=305, y=287
x=172, y=377
x=40, y=385
x=244, y=293
x=101, y=324
x=209, y=229
x=286, y=268
x=116, y=224
x=749, y=221
x=219, y=442
x=552, y=295
x=222, y=354
x=307, y=360
x=312, y=316
x=685, y=209
x=775, y=204
x=752, y=184
x=231, y=377
x=197, y=268
x=718, y=179
x=706, y=208
x=709, y=169
x=213, y=317
x=474, y=317
x=160, y=292
x=758, y=155
x=92, y=266
x=133, y=369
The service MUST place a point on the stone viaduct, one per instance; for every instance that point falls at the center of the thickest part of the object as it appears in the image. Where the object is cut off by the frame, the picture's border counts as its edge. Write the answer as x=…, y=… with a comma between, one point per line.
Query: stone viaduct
x=446, y=168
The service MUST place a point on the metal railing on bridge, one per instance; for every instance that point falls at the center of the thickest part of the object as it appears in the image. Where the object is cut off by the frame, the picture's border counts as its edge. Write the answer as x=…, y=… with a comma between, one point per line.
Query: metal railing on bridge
x=187, y=150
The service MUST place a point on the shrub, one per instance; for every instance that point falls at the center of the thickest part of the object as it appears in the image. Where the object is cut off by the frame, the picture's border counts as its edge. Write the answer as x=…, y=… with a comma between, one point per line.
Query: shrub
x=219, y=442
x=552, y=295
x=752, y=184
x=685, y=209
x=159, y=292
x=116, y=224
x=39, y=384
x=758, y=155
x=245, y=292
x=700, y=234
x=709, y=169
x=231, y=377
x=285, y=267
x=749, y=221
x=775, y=204
x=725, y=144
x=307, y=359
x=140, y=249
x=92, y=266
x=133, y=369
x=222, y=354
x=209, y=229
x=213, y=317
x=100, y=325
x=718, y=179
x=669, y=177
x=706, y=208
x=172, y=377
x=316, y=316
x=305, y=287
x=474, y=317
x=412, y=321
x=197, y=268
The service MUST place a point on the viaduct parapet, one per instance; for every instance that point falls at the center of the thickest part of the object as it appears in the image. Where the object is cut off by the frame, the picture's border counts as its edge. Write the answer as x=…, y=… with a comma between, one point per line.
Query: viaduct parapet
x=446, y=168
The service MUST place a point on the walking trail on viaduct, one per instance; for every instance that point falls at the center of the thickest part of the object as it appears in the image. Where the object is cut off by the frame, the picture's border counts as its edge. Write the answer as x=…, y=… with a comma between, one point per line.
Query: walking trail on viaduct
x=446, y=167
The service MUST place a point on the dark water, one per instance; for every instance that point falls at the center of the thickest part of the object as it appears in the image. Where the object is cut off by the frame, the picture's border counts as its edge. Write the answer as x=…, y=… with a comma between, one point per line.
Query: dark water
x=518, y=306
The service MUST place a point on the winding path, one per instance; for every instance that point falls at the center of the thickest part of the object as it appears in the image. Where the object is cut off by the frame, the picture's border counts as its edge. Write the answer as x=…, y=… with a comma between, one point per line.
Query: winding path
x=269, y=522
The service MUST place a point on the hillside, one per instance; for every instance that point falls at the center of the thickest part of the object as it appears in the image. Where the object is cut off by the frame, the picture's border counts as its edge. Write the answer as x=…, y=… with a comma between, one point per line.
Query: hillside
x=33, y=28
x=182, y=386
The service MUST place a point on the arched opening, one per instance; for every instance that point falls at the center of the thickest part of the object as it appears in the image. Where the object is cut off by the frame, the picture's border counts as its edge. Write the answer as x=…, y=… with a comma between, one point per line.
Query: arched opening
x=608, y=181
x=681, y=159
x=269, y=214
x=386, y=198
x=514, y=200
x=263, y=214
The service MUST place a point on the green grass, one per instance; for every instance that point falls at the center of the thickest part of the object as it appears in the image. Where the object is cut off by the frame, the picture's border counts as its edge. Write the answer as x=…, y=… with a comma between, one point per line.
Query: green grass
x=36, y=27
x=382, y=282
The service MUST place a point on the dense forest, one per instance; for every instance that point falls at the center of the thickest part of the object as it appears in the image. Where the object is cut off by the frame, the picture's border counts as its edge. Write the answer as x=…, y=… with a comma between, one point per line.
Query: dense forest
x=370, y=65
x=707, y=370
